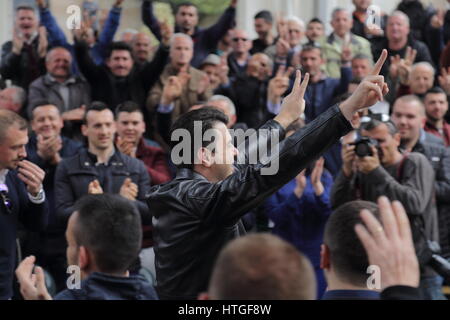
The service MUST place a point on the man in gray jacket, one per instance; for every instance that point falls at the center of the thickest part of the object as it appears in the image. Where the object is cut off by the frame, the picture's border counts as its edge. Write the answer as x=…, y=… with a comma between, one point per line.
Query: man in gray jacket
x=59, y=86
x=406, y=177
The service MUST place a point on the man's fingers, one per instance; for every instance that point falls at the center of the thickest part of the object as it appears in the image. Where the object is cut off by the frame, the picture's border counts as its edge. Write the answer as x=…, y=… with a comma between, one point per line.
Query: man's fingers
x=288, y=72
x=298, y=79
x=366, y=238
x=413, y=56
x=40, y=284
x=25, y=268
x=374, y=87
x=373, y=225
x=387, y=216
x=377, y=68
x=280, y=71
x=304, y=85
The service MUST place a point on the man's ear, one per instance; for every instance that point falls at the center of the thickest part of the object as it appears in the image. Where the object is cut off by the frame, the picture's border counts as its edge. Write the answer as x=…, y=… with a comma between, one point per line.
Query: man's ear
x=324, y=257
x=84, y=130
x=205, y=157
x=424, y=120
x=397, y=138
x=84, y=258
x=204, y=296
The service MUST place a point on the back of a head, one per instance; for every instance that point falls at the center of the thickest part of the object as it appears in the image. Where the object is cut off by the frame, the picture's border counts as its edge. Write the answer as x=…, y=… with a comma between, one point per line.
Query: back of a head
x=348, y=257
x=109, y=226
x=262, y=267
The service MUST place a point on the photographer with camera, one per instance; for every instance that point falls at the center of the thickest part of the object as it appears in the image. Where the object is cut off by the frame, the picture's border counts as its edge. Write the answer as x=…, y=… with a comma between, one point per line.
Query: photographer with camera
x=374, y=166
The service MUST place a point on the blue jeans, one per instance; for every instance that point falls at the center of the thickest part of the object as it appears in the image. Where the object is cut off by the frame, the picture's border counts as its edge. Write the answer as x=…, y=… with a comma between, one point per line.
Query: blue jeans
x=431, y=288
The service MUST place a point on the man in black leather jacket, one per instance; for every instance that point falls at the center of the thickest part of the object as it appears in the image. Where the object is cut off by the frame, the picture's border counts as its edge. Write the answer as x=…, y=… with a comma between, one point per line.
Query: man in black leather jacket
x=197, y=213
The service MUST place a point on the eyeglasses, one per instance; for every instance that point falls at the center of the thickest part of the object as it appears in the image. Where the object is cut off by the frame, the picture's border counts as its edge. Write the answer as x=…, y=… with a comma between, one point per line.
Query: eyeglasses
x=6, y=201
x=241, y=39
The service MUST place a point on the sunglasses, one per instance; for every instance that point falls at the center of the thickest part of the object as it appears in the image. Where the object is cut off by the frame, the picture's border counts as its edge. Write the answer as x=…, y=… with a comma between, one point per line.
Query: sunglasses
x=241, y=39
x=5, y=200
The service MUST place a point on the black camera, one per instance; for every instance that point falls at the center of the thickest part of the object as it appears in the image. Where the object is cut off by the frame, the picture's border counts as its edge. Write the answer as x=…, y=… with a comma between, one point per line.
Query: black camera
x=437, y=262
x=363, y=146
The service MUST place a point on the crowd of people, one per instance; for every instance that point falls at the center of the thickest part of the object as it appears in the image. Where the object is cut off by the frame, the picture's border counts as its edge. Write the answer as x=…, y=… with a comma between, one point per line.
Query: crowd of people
x=88, y=178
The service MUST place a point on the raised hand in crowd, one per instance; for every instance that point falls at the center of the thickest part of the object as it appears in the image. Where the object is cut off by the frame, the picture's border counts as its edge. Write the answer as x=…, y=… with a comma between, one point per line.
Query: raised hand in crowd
x=32, y=176
x=203, y=84
x=444, y=80
x=346, y=55
x=279, y=84
x=17, y=42
x=43, y=42
x=390, y=245
x=126, y=147
x=129, y=190
x=41, y=3
x=282, y=48
x=223, y=70
x=172, y=90
x=118, y=3
x=81, y=34
x=48, y=148
x=31, y=279
x=371, y=90
x=437, y=21
x=74, y=114
x=294, y=104
x=95, y=187
x=166, y=32
x=316, y=176
x=300, y=184
x=400, y=68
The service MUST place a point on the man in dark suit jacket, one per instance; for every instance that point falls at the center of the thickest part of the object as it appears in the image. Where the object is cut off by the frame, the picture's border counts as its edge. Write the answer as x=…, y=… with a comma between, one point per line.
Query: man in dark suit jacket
x=22, y=198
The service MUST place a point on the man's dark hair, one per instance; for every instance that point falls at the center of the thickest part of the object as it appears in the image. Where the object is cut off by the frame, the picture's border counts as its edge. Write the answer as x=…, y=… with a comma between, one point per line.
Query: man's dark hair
x=265, y=15
x=186, y=4
x=311, y=47
x=374, y=123
x=127, y=106
x=109, y=226
x=262, y=267
x=119, y=45
x=39, y=103
x=347, y=254
x=315, y=20
x=435, y=90
x=8, y=119
x=94, y=106
x=208, y=117
x=25, y=7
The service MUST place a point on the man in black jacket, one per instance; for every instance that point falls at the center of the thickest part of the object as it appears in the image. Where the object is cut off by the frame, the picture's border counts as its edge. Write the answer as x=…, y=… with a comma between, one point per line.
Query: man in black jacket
x=186, y=21
x=119, y=80
x=398, y=39
x=198, y=212
x=100, y=168
x=22, y=199
x=104, y=237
